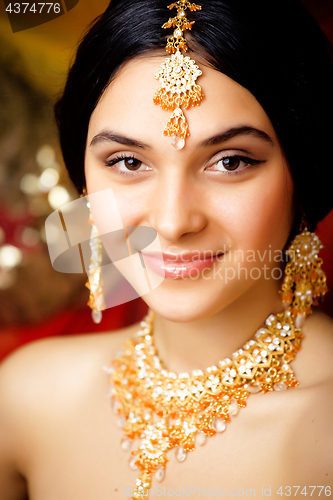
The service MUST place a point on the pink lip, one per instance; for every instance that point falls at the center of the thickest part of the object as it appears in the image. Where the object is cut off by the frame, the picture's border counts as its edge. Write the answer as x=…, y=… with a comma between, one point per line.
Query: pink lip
x=179, y=266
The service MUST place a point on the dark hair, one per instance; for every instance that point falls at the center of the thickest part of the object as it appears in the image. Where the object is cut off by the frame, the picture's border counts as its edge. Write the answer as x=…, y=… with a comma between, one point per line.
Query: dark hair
x=273, y=48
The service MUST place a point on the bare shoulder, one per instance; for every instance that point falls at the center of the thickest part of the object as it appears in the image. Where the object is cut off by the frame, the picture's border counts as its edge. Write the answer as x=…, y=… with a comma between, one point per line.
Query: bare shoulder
x=44, y=384
x=43, y=376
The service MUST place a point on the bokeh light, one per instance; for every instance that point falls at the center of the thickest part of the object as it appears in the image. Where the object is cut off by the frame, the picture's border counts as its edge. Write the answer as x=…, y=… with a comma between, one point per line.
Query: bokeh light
x=48, y=179
x=45, y=156
x=29, y=184
x=10, y=256
x=58, y=196
x=30, y=237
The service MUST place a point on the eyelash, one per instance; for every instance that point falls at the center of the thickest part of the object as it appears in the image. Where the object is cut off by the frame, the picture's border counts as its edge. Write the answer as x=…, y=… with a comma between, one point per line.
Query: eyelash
x=244, y=159
x=238, y=171
x=118, y=159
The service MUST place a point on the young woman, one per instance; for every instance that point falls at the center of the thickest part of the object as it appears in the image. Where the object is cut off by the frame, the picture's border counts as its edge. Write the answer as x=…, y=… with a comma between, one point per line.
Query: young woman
x=225, y=206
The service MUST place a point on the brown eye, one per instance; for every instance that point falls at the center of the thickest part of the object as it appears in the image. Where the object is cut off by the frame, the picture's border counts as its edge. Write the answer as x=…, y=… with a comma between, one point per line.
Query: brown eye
x=235, y=164
x=231, y=163
x=132, y=163
x=127, y=165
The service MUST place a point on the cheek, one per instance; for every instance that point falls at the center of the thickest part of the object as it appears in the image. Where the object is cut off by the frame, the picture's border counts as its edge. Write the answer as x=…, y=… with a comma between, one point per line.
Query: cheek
x=130, y=200
x=132, y=206
x=259, y=213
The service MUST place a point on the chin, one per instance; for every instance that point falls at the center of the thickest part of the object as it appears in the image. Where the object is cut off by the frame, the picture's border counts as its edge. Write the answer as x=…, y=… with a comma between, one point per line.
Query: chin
x=187, y=306
x=183, y=301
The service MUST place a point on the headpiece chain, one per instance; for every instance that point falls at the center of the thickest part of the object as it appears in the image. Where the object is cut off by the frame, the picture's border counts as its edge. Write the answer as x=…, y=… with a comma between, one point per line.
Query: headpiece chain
x=178, y=76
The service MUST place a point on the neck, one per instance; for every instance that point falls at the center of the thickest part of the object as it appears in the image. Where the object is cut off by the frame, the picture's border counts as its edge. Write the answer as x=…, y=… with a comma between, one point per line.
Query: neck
x=202, y=343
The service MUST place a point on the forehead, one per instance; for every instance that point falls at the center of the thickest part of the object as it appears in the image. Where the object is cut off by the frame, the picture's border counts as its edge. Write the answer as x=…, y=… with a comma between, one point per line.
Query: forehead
x=127, y=105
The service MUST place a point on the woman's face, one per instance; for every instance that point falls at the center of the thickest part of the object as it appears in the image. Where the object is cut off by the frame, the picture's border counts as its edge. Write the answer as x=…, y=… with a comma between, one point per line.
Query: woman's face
x=222, y=206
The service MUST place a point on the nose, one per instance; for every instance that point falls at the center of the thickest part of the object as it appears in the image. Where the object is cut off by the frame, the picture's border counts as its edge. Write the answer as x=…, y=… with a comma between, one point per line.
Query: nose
x=176, y=209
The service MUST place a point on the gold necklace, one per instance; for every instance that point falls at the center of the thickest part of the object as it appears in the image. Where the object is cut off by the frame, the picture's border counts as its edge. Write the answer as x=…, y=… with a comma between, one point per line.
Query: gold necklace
x=165, y=410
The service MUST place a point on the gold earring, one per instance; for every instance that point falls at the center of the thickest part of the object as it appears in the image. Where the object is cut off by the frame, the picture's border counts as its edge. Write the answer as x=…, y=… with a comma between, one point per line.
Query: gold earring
x=95, y=282
x=304, y=283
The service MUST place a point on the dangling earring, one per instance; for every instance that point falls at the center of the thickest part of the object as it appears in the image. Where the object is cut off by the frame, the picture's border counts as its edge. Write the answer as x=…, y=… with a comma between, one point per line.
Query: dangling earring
x=95, y=282
x=304, y=281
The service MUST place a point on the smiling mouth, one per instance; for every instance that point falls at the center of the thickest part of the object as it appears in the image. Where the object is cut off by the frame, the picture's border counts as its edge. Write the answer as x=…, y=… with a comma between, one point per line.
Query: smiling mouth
x=180, y=266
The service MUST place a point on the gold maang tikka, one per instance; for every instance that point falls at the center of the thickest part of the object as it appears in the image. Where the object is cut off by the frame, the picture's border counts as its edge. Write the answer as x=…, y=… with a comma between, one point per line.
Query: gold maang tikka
x=178, y=76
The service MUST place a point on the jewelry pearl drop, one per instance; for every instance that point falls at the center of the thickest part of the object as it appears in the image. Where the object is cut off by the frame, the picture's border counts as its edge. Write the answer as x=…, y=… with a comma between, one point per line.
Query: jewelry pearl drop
x=180, y=454
x=219, y=425
x=280, y=386
x=177, y=143
x=114, y=405
x=159, y=474
x=253, y=388
x=125, y=444
x=299, y=320
x=121, y=421
x=132, y=463
x=96, y=316
x=201, y=438
x=233, y=408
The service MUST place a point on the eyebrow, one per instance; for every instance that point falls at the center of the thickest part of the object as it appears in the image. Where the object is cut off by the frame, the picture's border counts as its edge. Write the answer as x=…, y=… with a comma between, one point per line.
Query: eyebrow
x=234, y=132
x=106, y=135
